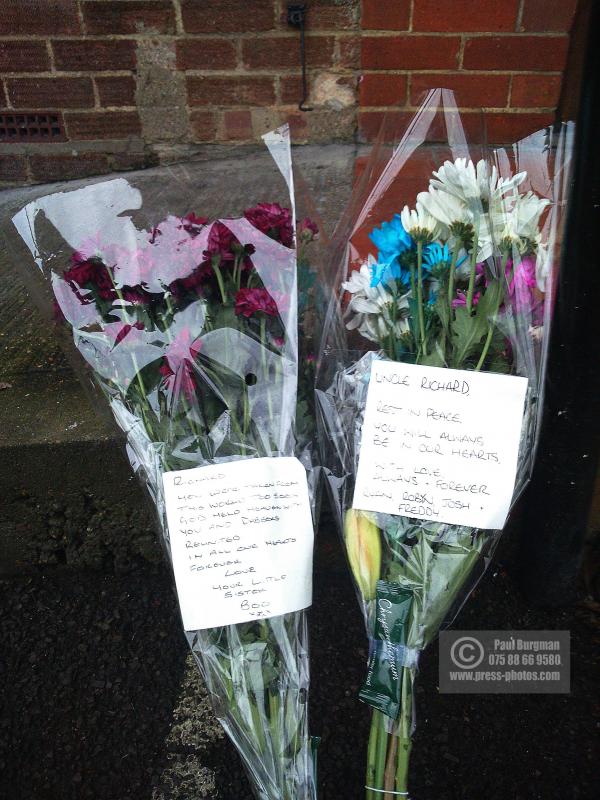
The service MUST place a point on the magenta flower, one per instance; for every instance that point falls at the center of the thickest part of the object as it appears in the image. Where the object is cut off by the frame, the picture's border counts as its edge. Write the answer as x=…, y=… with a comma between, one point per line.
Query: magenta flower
x=177, y=368
x=118, y=331
x=252, y=301
x=223, y=248
x=135, y=295
x=91, y=274
x=461, y=299
x=307, y=230
x=275, y=221
x=522, y=283
x=193, y=224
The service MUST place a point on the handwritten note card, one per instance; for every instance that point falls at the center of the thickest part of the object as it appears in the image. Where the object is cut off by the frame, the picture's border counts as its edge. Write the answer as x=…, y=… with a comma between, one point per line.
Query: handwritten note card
x=440, y=444
x=241, y=539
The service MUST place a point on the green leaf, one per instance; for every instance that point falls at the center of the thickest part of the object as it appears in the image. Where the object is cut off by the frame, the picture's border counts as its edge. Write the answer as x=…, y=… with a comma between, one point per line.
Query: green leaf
x=442, y=310
x=467, y=333
x=435, y=358
x=469, y=329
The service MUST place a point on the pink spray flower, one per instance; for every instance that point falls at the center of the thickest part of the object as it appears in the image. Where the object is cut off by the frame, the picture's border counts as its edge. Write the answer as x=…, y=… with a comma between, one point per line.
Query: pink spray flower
x=461, y=299
x=251, y=301
x=177, y=368
x=275, y=221
x=522, y=282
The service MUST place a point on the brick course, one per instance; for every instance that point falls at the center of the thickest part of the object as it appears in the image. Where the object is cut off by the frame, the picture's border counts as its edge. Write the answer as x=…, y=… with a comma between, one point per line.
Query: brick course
x=504, y=57
x=226, y=69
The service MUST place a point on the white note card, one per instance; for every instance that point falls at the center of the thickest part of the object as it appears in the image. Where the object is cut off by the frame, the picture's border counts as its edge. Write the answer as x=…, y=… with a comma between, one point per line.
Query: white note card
x=241, y=540
x=440, y=444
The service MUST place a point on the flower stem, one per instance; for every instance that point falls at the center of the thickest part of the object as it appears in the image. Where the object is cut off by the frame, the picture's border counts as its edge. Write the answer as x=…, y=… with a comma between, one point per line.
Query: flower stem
x=220, y=282
x=138, y=377
x=404, y=732
x=381, y=750
x=371, y=757
x=451, y=277
x=492, y=322
x=263, y=341
x=420, y=297
x=473, y=265
x=390, y=767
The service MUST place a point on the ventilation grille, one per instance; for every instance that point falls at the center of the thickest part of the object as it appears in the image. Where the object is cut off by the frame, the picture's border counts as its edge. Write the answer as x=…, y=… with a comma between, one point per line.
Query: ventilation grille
x=32, y=128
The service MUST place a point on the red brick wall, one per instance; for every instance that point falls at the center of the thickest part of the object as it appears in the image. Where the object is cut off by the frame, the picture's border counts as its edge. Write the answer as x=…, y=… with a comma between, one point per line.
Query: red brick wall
x=506, y=56
x=138, y=81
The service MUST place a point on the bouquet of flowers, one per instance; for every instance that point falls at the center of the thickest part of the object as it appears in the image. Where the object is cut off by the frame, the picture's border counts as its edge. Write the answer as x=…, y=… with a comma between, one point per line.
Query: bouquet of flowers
x=189, y=328
x=444, y=262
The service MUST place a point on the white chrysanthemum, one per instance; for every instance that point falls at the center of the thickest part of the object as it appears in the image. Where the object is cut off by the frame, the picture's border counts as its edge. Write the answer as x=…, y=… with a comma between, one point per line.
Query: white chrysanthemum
x=419, y=223
x=542, y=266
x=536, y=332
x=370, y=307
x=475, y=186
x=445, y=208
x=453, y=214
x=516, y=223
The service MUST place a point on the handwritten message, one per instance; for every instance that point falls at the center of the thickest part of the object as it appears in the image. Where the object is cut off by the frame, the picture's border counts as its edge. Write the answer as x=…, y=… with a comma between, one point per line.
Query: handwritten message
x=241, y=540
x=440, y=444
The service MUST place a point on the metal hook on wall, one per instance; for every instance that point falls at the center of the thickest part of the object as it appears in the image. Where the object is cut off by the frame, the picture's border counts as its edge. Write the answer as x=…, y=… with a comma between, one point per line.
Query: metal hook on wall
x=296, y=15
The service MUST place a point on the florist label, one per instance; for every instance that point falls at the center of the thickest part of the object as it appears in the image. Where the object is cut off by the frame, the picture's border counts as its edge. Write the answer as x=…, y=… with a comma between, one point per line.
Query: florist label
x=241, y=540
x=440, y=444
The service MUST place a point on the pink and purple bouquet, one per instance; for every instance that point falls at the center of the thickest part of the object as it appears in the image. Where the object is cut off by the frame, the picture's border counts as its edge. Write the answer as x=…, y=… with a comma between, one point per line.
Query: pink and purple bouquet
x=189, y=327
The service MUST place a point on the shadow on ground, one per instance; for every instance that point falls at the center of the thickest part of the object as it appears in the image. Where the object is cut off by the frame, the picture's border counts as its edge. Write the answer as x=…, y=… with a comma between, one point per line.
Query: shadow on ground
x=101, y=701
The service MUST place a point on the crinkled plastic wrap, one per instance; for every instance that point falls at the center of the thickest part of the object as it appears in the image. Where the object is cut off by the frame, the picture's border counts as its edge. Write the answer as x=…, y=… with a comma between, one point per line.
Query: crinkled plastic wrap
x=446, y=257
x=189, y=326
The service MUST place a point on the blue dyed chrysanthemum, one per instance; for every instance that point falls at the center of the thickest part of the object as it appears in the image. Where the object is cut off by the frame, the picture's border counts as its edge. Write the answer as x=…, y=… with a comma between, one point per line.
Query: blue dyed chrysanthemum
x=391, y=239
x=434, y=254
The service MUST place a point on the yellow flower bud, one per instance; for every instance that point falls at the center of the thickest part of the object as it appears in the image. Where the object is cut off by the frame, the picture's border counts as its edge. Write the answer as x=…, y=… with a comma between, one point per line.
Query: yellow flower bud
x=363, y=546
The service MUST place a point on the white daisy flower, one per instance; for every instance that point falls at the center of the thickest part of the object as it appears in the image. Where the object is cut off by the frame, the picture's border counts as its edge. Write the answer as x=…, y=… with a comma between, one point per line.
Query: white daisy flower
x=475, y=186
x=370, y=309
x=419, y=223
x=516, y=223
x=445, y=208
x=543, y=266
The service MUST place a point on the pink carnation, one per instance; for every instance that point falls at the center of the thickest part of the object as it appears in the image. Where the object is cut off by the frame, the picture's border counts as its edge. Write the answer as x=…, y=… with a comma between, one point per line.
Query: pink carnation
x=307, y=230
x=177, y=368
x=91, y=274
x=192, y=224
x=119, y=331
x=251, y=301
x=275, y=221
x=223, y=247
